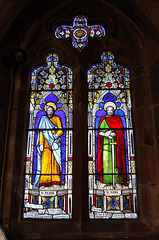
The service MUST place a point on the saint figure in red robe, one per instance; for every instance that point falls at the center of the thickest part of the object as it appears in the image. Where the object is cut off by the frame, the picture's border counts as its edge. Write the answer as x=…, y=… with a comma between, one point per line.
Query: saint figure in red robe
x=111, y=158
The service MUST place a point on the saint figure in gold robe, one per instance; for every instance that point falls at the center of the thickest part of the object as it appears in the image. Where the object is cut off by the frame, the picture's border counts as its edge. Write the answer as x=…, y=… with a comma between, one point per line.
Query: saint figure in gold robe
x=49, y=149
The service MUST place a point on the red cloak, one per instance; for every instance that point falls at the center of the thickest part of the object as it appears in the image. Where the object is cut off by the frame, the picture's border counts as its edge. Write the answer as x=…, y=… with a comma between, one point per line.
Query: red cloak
x=116, y=124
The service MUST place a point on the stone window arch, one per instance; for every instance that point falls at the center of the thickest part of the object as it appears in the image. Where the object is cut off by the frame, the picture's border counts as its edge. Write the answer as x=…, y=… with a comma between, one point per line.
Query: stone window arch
x=37, y=40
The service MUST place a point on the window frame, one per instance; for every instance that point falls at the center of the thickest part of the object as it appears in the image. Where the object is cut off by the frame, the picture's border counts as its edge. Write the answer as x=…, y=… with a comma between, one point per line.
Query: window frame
x=80, y=225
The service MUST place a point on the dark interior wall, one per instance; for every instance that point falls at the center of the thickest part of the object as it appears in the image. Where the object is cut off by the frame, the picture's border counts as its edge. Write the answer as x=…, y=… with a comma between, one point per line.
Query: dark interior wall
x=132, y=34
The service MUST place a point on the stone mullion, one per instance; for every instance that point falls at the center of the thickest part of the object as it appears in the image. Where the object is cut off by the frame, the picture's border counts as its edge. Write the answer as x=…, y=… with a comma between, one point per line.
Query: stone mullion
x=80, y=190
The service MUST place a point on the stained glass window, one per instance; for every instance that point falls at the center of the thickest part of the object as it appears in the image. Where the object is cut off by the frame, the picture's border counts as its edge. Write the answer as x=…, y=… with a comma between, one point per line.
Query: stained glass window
x=48, y=174
x=111, y=153
x=80, y=32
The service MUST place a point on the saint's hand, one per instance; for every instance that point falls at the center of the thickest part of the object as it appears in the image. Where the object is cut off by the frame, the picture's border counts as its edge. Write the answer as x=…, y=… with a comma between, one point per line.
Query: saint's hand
x=113, y=134
x=56, y=136
x=108, y=134
x=41, y=147
x=102, y=134
x=57, y=140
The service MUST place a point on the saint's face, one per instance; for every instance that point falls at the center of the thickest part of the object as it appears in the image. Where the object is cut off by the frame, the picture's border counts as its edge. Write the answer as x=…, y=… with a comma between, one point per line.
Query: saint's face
x=50, y=112
x=110, y=111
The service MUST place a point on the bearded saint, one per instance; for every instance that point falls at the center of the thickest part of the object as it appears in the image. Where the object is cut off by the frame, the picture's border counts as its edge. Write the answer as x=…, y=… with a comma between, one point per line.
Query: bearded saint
x=48, y=148
x=111, y=132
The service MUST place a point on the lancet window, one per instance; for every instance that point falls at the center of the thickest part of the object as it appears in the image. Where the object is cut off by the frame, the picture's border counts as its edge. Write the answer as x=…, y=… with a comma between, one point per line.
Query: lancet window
x=111, y=153
x=48, y=173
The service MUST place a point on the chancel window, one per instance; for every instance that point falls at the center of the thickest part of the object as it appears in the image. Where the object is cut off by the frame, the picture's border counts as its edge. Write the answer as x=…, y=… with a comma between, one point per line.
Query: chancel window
x=111, y=154
x=48, y=175
x=112, y=185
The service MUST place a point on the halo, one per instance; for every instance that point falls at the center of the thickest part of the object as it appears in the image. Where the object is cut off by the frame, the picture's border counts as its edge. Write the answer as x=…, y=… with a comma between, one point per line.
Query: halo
x=109, y=104
x=50, y=104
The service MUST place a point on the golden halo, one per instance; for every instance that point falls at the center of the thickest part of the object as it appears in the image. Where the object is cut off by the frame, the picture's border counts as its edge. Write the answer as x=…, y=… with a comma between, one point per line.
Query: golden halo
x=50, y=104
x=109, y=104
